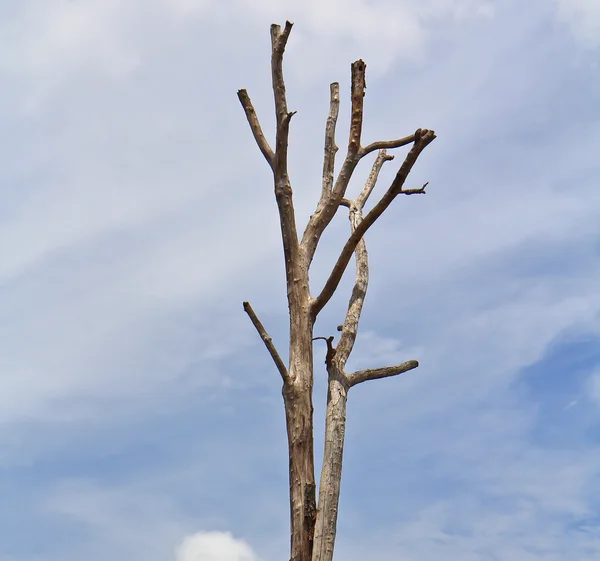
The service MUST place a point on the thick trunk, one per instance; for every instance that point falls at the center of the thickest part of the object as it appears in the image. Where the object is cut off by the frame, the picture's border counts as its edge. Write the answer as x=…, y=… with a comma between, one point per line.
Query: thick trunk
x=299, y=413
x=297, y=396
x=331, y=473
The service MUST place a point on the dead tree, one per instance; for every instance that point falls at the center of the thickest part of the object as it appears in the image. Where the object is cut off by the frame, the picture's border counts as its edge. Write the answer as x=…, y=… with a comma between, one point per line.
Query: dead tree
x=313, y=524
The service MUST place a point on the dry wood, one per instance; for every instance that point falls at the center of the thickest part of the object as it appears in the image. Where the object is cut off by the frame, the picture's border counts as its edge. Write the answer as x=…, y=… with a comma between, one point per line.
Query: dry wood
x=422, y=139
x=313, y=529
x=255, y=127
x=339, y=383
x=330, y=145
x=387, y=144
x=329, y=203
x=267, y=341
x=385, y=372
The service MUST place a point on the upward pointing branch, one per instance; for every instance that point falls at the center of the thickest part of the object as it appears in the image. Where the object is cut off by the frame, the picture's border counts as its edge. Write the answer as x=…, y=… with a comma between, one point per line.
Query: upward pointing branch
x=357, y=298
x=278, y=159
x=330, y=145
x=278, y=42
x=331, y=197
x=339, y=384
x=359, y=84
x=283, y=188
x=422, y=139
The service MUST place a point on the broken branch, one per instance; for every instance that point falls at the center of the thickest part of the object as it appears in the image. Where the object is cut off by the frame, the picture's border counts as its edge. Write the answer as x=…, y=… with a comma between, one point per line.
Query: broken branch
x=330, y=146
x=358, y=95
x=330, y=349
x=419, y=191
x=283, y=188
x=255, y=127
x=278, y=42
x=382, y=157
x=386, y=144
x=267, y=341
x=330, y=200
x=385, y=372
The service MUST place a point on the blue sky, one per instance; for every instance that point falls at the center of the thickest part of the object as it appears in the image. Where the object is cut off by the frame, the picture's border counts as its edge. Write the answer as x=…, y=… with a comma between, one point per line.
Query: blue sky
x=140, y=416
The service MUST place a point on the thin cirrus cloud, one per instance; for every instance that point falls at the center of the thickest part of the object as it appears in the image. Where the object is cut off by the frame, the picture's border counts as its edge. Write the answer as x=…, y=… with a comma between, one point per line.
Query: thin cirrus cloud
x=138, y=408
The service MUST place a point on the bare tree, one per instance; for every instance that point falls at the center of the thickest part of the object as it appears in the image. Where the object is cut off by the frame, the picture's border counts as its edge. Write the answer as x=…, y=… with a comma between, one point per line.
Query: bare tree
x=313, y=524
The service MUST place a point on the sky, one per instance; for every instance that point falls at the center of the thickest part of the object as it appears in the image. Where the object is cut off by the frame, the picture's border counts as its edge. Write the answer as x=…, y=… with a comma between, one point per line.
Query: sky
x=141, y=418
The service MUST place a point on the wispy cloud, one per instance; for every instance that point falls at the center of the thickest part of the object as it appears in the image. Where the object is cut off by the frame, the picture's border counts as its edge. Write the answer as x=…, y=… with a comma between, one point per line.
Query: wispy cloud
x=583, y=16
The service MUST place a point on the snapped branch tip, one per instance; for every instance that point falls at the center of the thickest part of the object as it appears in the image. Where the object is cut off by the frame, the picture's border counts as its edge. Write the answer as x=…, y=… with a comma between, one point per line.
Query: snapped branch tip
x=330, y=348
x=267, y=341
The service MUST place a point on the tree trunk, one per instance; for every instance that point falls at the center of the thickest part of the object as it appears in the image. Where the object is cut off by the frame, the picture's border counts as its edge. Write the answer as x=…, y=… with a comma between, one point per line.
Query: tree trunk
x=297, y=395
x=331, y=474
x=313, y=530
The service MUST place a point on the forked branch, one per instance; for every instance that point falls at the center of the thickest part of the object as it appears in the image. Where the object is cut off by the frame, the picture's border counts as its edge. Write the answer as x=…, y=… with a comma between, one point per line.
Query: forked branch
x=278, y=42
x=267, y=341
x=423, y=137
x=333, y=193
x=331, y=196
x=278, y=159
x=313, y=529
x=357, y=298
x=338, y=383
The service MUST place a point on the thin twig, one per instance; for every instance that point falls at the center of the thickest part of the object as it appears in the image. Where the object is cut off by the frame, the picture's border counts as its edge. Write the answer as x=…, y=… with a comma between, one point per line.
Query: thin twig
x=330, y=349
x=382, y=157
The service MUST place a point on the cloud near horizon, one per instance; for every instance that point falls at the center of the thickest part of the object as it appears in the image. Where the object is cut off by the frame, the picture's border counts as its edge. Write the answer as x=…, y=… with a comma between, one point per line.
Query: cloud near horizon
x=214, y=546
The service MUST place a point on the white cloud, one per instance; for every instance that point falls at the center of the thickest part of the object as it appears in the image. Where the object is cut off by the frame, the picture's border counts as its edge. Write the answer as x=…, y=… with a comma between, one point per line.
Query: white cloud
x=583, y=16
x=50, y=41
x=381, y=32
x=47, y=40
x=214, y=546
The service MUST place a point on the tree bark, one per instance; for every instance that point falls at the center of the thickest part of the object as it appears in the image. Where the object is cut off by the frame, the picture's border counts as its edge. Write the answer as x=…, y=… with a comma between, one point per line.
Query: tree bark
x=313, y=530
x=297, y=395
x=331, y=472
x=338, y=384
